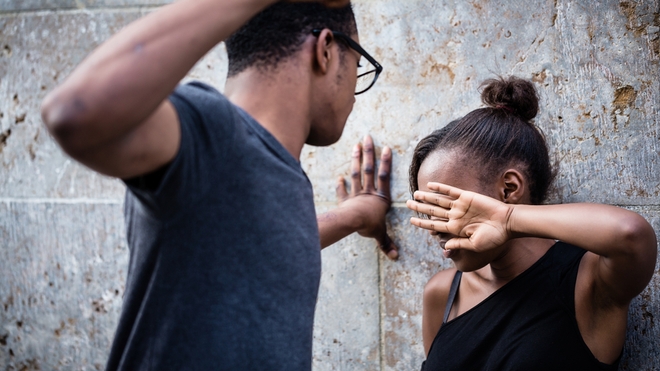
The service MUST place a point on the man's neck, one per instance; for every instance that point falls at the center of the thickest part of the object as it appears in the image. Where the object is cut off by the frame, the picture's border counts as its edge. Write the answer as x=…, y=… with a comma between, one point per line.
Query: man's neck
x=278, y=100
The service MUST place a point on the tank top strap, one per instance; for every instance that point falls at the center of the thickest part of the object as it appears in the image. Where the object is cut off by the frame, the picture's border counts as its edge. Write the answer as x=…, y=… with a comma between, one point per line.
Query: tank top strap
x=452, y=294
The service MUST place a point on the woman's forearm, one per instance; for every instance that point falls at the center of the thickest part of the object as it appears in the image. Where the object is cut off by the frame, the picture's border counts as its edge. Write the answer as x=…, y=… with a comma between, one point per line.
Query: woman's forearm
x=602, y=229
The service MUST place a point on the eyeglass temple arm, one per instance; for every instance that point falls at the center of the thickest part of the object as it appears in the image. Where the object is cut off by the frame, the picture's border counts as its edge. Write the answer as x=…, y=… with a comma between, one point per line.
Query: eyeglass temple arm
x=355, y=46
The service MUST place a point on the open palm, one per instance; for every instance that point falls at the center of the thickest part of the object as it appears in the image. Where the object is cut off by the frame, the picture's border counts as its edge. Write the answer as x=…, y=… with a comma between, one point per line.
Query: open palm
x=480, y=223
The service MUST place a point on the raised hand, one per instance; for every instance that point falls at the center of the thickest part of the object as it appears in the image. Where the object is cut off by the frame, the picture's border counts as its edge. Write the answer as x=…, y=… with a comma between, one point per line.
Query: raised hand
x=371, y=198
x=477, y=223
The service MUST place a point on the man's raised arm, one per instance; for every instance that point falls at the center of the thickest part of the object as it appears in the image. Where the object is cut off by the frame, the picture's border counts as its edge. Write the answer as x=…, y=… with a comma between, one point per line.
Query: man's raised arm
x=112, y=112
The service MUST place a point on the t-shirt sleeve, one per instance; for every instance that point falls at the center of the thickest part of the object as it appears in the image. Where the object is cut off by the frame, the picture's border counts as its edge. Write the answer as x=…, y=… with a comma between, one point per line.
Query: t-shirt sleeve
x=208, y=124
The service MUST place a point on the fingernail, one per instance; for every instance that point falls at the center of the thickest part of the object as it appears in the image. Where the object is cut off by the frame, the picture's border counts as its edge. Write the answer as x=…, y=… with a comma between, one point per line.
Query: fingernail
x=393, y=255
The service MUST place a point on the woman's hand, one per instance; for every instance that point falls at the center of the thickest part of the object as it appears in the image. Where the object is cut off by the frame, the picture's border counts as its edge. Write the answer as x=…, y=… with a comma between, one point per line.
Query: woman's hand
x=477, y=222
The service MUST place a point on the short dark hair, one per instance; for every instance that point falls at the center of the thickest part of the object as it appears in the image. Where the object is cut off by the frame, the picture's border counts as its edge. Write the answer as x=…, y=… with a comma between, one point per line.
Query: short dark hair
x=277, y=32
x=497, y=136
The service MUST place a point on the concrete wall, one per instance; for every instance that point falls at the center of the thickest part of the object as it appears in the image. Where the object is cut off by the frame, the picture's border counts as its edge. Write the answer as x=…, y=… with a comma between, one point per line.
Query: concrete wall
x=63, y=255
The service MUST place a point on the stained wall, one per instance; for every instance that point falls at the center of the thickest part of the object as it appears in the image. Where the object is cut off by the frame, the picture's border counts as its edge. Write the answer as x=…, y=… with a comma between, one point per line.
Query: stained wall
x=63, y=254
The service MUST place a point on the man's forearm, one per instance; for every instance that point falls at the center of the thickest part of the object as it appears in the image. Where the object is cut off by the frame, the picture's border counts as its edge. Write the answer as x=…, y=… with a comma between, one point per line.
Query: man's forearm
x=124, y=80
x=337, y=224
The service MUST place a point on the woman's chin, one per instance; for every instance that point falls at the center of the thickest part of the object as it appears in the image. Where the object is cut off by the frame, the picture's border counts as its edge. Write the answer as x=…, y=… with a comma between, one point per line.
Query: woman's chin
x=466, y=261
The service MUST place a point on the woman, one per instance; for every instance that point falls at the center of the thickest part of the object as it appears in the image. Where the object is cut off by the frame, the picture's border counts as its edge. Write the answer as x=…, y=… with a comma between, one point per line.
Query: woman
x=536, y=287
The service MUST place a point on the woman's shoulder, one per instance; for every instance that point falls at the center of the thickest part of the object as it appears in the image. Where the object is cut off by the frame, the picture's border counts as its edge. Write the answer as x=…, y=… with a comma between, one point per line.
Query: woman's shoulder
x=436, y=293
x=437, y=288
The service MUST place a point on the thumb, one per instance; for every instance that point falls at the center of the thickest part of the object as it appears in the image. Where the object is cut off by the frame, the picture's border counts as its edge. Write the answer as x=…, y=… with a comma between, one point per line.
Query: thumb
x=388, y=247
x=459, y=243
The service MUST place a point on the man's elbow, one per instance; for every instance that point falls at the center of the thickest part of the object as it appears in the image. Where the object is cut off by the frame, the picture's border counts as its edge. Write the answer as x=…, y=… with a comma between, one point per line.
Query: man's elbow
x=64, y=119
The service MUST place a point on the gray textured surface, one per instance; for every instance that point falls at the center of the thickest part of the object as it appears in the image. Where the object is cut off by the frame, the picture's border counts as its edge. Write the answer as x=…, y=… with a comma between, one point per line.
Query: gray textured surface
x=346, y=334
x=63, y=254
x=7, y=6
x=64, y=268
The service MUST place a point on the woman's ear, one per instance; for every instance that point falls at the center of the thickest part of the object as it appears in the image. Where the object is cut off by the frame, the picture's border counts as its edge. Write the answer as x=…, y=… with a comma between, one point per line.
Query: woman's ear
x=322, y=50
x=512, y=187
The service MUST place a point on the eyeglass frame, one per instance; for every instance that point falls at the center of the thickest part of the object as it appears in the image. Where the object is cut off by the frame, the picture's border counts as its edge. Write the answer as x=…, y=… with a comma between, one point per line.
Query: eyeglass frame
x=355, y=46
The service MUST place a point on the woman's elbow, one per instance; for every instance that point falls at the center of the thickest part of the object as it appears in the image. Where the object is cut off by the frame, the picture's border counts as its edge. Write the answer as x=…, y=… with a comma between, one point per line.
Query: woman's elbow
x=639, y=238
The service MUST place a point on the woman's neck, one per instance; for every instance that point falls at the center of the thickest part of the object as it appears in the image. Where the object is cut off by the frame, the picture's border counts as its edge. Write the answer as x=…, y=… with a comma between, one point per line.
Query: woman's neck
x=517, y=257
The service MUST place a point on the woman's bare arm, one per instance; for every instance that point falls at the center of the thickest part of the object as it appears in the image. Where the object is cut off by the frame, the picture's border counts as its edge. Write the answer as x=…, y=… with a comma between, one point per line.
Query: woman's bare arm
x=436, y=294
x=623, y=240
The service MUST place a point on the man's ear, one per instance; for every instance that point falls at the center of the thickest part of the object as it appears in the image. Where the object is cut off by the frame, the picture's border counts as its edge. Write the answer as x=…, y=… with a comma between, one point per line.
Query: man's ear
x=512, y=186
x=322, y=50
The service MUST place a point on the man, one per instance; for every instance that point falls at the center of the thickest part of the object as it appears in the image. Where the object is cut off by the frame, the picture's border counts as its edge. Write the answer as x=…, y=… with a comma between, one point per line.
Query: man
x=225, y=256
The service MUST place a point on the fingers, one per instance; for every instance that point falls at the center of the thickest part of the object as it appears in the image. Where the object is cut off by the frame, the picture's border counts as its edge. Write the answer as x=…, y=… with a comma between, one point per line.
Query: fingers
x=384, y=171
x=459, y=243
x=363, y=163
x=368, y=159
x=388, y=247
x=431, y=225
x=356, y=173
x=434, y=199
x=445, y=189
x=430, y=210
x=340, y=189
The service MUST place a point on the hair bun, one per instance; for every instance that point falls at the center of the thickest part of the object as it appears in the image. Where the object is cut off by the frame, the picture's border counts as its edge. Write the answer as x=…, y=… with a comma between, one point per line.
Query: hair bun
x=513, y=94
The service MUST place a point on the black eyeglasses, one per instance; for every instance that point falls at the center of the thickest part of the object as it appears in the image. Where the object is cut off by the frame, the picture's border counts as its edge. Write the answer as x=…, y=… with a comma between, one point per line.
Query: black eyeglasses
x=368, y=70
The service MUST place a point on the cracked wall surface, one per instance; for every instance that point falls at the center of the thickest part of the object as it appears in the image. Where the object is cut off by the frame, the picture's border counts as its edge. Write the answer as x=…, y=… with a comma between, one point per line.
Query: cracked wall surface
x=63, y=256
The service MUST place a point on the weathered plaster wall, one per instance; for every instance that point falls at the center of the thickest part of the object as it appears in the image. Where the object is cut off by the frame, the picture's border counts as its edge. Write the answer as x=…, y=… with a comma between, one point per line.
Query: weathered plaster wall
x=63, y=255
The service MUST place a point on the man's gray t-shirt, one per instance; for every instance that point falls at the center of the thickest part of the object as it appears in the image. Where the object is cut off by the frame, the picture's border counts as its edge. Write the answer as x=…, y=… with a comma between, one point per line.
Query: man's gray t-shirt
x=224, y=254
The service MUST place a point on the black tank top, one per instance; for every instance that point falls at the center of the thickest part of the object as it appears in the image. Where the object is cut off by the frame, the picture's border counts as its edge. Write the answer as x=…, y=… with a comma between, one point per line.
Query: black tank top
x=528, y=324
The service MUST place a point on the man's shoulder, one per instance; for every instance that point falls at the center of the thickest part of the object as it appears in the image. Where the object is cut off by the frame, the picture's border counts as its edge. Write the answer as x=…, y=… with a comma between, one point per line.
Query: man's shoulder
x=204, y=109
x=199, y=85
x=197, y=93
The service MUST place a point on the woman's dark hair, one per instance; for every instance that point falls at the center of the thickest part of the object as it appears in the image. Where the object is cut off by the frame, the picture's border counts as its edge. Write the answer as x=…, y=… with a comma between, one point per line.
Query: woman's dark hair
x=278, y=31
x=497, y=136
